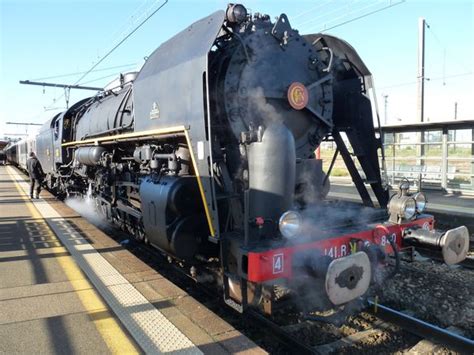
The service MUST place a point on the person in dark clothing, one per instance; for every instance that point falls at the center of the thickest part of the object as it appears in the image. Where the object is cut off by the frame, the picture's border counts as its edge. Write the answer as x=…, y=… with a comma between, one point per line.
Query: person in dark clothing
x=35, y=170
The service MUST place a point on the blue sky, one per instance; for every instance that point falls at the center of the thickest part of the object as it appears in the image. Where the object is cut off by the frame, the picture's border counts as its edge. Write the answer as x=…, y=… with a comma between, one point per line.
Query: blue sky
x=40, y=39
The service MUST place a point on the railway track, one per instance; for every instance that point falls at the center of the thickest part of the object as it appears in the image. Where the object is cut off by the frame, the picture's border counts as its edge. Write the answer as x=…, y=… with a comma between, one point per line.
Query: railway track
x=423, y=329
x=467, y=263
x=386, y=320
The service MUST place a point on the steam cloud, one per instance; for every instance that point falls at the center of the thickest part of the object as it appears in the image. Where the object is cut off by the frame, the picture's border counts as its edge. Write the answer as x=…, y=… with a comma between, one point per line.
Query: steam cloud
x=324, y=216
x=87, y=209
x=265, y=111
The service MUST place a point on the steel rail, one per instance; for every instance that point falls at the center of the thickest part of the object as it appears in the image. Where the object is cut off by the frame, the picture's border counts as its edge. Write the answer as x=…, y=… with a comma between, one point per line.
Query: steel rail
x=284, y=337
x=423, y=329
x=156, y=259
x=408, y=323
x=467, y=263
x=276, y=331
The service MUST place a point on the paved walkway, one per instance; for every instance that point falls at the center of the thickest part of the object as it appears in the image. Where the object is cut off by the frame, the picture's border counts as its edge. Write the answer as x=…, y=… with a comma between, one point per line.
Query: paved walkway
x=47, y=305
x=438, y=201
x=66, y=287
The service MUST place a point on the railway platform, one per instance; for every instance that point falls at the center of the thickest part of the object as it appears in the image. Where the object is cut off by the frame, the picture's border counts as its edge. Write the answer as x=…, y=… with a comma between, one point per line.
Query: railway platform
x=439, y=202
x=67, y=287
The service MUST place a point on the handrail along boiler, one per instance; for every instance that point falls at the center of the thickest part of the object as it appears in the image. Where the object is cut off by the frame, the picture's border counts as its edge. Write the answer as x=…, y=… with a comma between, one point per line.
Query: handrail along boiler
x=207, y=153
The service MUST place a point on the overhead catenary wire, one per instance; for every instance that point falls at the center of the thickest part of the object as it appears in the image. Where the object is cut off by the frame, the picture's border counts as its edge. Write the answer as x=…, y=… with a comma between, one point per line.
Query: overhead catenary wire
x=428, y=26
x=140, y=12
x=354, y=12
x=113, y=49
x=304, y=13
x=362, y=16
x=335, y=13
x=82, y=72
x=135, y=16
x=101, y=78
x=444, y=47
x=122, y=41
x=428, y=80
x=102, y=69
x=50, y=107
x=324, y=15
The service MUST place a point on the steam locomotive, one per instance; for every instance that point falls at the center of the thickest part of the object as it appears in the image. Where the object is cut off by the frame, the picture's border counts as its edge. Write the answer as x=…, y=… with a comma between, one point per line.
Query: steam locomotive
x=207, y=153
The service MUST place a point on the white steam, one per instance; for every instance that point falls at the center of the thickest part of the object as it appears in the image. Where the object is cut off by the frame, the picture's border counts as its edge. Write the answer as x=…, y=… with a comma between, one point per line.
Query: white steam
x=86, y=208
x=320, y=218
x=266, y=112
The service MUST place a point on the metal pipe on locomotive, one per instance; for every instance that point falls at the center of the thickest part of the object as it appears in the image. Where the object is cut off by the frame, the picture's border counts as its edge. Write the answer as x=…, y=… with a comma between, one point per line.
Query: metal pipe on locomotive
x=207, y=153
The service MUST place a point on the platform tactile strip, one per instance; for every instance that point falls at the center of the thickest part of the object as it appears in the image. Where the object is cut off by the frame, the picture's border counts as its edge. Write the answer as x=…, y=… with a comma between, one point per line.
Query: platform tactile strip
x=148, y=326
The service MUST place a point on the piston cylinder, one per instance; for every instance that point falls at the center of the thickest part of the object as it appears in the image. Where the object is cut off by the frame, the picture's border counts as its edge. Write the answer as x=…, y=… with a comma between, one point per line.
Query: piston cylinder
x=172, y=219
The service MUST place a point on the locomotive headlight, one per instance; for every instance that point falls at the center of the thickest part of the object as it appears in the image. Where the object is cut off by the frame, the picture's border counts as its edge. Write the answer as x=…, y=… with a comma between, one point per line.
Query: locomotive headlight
x=401, y=207
x=236, y=13
x=409, y=208
x=420, y=200
x=290, y=223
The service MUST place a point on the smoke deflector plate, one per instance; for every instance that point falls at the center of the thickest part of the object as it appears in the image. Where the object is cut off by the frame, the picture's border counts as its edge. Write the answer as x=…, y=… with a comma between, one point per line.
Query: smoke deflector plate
x=455, y=244
x=348, y=278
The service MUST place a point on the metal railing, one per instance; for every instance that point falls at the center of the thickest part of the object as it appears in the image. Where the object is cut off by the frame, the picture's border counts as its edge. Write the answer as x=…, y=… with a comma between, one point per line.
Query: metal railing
x=437, y=155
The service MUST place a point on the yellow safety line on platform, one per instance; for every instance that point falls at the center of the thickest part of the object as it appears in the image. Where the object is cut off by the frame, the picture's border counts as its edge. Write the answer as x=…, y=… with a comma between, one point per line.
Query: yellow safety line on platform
x=51, y=251
x=111, y=332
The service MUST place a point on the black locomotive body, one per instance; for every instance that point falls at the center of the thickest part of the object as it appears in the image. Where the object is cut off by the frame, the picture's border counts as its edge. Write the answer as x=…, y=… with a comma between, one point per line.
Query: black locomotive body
x=208, y=154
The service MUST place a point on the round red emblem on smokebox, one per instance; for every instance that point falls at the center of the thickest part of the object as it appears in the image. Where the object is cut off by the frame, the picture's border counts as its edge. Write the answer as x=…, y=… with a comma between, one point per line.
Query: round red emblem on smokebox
x=298, y=96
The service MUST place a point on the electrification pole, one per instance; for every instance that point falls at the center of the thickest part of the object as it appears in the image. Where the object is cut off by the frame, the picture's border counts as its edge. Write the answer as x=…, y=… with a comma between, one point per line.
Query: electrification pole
x=421, y=95
x=421, y=69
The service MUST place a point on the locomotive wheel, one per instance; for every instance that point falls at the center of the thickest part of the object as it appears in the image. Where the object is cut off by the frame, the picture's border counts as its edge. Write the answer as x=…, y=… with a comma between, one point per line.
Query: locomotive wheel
x=140, y=234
